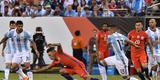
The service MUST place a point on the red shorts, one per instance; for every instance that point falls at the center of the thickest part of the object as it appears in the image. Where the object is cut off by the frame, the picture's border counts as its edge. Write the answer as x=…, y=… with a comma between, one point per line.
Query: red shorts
x=138, y=59
x=103, y=54
x=77, y=70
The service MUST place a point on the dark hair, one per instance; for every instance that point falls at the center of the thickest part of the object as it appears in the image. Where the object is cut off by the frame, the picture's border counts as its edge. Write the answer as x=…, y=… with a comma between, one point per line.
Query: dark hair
x=77, y=33
x=138, y=21
x=12, y=22
x=50, y=49
x=19, y=22
x=38, y=28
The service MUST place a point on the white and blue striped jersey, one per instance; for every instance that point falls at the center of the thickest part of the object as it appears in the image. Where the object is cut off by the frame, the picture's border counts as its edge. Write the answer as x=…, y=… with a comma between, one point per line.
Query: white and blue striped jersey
x=20, y=41
x=9, y=48
x=117, y=42
x=154, y=36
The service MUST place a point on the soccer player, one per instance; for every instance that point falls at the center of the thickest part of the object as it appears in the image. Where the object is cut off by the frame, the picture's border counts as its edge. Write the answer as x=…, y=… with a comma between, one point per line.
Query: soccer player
x=117, y=42
x=9, y=52
x=70, y=64
x=138, y=56
x=153, y=33
x=20, y=39
x=101, y=38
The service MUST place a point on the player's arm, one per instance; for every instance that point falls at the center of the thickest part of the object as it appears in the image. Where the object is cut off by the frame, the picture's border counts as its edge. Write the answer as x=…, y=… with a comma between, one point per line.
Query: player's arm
x=34, y=47
x=43, y=68
x=150, y=46
x=131, y=43
x=4, y=45
x=4, y=39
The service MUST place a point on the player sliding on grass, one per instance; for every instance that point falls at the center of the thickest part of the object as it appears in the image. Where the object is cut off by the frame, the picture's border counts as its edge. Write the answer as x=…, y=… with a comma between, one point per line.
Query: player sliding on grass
x=70, y=64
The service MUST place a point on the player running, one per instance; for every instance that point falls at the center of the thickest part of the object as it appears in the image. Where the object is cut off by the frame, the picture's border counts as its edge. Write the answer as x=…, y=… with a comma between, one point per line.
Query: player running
x=9, y=52
x=70, y=64
x=117, y=41
x=102, y=53
x=20, y=39
x=138, y=56
x=153, y=33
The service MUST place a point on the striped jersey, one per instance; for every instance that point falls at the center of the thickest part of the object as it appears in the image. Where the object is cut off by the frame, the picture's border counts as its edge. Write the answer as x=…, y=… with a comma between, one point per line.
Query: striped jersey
x=19, y=41
x=154, y=36
x=9, y=48
x=117, y=42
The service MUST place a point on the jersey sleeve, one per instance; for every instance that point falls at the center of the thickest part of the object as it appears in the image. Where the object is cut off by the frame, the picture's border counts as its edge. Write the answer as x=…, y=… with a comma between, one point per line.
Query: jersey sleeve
x=54, y=63
x=28, y=36
x=9, y=34
x=109, y=40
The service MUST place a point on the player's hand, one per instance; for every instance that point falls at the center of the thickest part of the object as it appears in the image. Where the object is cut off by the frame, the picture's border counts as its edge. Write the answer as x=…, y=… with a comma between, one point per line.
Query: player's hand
x=37, y=53
x=137, y=47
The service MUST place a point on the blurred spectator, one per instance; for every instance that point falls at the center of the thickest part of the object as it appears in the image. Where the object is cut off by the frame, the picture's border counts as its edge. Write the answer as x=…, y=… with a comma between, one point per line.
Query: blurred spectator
x=48, y=10
x=75, y=5
x=96, y=11
x=39, y=11
x=69, y=11
x=7, y=11
x=86, y=12
x=3, y=4
x=107, y=13
x=83, y=4
x=58, y=11
x=79, y=12
x=112, y=4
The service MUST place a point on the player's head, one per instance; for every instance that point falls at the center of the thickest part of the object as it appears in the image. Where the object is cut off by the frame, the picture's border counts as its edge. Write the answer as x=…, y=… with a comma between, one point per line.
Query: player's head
x=39, y=29
x=152, y=23
x=138, y=25
x=19, y=25
x=77, y=33
x=104, y=27
x=12, y=24
x=112, y=28
x=51, y=52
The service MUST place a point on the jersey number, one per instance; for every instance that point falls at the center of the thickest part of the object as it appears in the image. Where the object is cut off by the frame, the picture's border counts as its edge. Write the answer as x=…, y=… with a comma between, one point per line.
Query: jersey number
x=119, y=43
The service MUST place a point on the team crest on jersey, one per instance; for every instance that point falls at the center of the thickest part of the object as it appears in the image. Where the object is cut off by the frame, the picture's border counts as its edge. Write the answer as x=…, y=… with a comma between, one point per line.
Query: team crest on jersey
x=142, y=37
x=138, y=36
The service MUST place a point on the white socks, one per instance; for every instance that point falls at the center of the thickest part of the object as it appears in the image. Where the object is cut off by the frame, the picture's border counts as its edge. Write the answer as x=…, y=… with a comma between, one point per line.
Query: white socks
x=102, y=71
x=6, y=73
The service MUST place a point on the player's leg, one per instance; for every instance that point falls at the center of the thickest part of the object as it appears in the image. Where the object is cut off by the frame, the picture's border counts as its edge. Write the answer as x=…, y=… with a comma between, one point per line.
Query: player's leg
x=144, y=63
x=8, y=62
x=137, y=65
x=66, y=73
x=91, y=59
x=26, y=59
x=16, y=66
x=102, y=69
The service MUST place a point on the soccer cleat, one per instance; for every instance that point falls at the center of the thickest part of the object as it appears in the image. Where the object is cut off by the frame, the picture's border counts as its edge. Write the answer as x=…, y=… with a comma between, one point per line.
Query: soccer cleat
x=26, y=78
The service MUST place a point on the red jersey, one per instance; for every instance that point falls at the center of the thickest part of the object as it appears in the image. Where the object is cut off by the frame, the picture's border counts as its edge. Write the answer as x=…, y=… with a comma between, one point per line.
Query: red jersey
x=102, y=38
x=67, y=60
x=77, y=42
x=139, y=38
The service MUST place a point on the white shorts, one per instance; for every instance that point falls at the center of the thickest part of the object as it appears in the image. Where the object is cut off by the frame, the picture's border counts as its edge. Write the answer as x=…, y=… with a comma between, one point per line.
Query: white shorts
x=151, y=60
x=23, y=57
x=8, y=57
x=120, y=66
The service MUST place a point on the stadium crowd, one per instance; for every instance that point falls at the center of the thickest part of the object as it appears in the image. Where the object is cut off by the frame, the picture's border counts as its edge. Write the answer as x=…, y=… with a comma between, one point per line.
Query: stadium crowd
x=82, y=8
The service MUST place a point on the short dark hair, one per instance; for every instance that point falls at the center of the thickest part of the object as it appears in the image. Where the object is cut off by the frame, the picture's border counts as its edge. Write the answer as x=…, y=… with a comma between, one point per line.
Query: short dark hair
x=19, y=22
x=50, y=49
x=139, y=21
x=77, y=33
x=12, y=22
x=38, y=28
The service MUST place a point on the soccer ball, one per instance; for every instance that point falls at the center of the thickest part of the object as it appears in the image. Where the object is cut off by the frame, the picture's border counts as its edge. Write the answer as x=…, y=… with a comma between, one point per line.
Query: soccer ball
x=133, y=78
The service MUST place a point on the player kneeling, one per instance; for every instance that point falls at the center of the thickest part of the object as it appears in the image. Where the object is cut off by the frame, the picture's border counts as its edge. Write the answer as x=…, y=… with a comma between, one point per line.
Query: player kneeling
x=72, y=65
